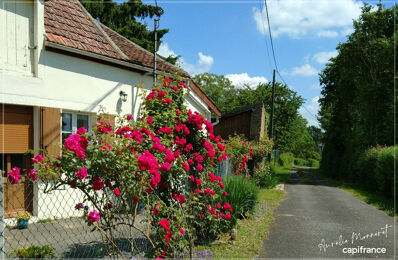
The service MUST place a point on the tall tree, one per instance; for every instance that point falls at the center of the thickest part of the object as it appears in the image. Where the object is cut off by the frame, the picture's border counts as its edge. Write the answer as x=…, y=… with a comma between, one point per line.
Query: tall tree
x=288, y=124
x=123, y=18
x=317, y=135
x=218, y=88
x=357, y=104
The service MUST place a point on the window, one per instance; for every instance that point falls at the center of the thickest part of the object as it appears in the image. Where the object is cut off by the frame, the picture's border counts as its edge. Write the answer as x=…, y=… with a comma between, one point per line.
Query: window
x=16, y=34
x=73, y=121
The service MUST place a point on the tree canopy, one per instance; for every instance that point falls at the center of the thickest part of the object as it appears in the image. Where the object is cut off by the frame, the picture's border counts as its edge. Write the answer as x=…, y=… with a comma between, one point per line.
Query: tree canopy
x=124, y=19
x=357, y=104
x=290, y=133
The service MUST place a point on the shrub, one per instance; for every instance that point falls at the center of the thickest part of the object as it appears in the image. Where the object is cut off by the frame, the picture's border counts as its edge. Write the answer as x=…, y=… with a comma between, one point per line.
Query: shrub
x=300, y=162
x=313, y=163
x=34, y=252
x=163, y=160
x=314, y=155
x=264, y=177
x=286, y=159
x=242, y=194
x=245, y=155
x=384, y=172
x=376, y=170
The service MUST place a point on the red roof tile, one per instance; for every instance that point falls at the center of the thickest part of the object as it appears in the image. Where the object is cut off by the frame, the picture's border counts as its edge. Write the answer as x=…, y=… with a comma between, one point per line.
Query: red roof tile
x=67, y=23
x=139, y=55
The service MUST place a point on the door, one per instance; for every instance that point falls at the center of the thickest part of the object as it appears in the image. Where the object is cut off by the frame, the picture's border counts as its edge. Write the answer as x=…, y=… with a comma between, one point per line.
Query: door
x=16, y=136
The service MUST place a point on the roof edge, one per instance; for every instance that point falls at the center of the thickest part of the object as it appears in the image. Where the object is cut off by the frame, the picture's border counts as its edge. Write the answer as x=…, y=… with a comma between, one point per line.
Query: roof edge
x=98, y=26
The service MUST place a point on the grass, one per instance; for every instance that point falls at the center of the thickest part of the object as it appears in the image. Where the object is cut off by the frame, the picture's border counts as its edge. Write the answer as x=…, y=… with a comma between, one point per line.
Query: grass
x=376, y=200
x=46, y=220
x=283, y=173
x=252, y=231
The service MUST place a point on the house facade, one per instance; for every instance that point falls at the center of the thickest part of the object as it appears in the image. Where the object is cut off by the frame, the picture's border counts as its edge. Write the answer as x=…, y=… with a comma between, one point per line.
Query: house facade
x=59, y=69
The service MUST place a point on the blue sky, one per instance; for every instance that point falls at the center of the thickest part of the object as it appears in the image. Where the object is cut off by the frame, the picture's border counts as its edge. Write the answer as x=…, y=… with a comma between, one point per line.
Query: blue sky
x=228, y=38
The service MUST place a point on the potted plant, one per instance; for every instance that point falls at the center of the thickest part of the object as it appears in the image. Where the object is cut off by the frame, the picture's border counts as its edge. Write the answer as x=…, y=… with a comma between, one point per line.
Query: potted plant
x=22, y=219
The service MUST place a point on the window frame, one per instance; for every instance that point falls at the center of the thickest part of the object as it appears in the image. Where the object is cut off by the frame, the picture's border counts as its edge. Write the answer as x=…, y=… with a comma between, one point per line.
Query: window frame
x=74, y=121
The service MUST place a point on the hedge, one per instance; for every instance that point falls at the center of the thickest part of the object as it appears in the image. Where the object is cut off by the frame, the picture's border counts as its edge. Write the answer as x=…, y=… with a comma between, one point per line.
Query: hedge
x=376, y=170
x=286, y=159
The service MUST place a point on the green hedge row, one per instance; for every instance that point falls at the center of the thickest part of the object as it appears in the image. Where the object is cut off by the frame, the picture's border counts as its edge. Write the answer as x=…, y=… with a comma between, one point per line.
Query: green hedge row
x=303, y=162
x=286, y=159
x=375, y=170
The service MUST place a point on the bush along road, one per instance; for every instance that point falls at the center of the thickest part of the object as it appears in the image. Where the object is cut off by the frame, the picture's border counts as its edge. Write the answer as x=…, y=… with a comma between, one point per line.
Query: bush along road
x=320, y=221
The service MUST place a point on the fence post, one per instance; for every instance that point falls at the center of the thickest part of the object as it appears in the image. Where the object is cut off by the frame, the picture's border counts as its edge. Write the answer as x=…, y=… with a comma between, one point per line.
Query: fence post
x=2, y=223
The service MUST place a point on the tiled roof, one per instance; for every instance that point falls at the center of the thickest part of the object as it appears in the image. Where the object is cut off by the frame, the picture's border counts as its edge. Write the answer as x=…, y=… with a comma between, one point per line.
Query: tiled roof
x=68, y=24
x=139, y=55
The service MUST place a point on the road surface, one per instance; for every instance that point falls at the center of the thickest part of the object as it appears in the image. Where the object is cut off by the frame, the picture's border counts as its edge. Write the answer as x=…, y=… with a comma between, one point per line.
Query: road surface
x=319, y=221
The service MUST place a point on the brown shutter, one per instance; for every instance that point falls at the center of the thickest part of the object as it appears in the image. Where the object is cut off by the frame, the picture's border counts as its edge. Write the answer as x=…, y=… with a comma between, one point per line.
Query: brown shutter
x=16, y=128
x=108, y=118
x=50, y=134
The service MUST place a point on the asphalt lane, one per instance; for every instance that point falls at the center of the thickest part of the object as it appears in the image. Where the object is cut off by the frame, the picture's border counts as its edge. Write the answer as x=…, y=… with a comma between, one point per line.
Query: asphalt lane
x=319, y=221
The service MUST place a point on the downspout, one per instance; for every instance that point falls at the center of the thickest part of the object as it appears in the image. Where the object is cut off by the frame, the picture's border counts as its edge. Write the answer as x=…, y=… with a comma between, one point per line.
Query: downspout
x=217, y=121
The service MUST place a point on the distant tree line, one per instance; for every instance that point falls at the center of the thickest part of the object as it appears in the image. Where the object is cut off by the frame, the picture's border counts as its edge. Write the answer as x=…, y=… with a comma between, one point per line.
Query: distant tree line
x=290, y=128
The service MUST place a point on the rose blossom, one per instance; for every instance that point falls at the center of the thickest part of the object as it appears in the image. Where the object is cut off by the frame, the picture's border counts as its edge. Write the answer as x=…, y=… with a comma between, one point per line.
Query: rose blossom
x=37, y=159
x=93, y=216
x=14, y=176
x=82, y=173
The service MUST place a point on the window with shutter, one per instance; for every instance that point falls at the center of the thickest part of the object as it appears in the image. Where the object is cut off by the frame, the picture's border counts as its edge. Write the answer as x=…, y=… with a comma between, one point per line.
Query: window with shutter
x=16, y=34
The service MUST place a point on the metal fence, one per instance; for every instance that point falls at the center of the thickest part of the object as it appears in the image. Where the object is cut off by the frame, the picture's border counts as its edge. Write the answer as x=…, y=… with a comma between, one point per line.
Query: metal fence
x=56, y=222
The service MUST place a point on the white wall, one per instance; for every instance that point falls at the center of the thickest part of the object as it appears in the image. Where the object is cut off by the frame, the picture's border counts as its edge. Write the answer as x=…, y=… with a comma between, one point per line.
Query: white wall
x=72, y=84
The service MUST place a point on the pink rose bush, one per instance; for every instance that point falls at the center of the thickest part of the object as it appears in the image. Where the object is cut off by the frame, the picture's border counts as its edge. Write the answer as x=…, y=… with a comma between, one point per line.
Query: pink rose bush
x=164, y=160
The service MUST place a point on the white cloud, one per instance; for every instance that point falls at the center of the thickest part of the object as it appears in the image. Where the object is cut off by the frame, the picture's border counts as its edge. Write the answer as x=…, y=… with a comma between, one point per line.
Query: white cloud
x=306, y=70
x=165, y=51
x=239, y=80
x=347, y=31
x=203, y=64
x=310, y=112
x=297, y=18
x=327, y=34
x=316, y=86
x=324, y=56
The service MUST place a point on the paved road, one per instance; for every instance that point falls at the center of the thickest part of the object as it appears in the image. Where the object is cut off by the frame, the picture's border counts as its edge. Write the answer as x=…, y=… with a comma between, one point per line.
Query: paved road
x=319, y=221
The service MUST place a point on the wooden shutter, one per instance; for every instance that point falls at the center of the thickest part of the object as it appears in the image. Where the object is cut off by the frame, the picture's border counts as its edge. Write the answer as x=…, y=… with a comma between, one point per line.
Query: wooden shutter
x=50, y=134
x=16, y=128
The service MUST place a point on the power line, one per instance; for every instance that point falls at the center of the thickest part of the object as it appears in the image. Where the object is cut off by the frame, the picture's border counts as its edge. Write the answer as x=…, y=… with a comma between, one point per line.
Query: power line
x=265, y=38
x=270, y=36
x=273, y=53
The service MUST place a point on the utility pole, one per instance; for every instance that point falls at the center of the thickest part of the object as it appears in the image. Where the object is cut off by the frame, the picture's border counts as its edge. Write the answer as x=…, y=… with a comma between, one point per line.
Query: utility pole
x=271, y=120
x=156, y=24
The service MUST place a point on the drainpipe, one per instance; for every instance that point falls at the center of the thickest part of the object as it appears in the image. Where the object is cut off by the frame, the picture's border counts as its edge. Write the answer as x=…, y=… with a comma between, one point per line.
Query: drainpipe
x=217, y=121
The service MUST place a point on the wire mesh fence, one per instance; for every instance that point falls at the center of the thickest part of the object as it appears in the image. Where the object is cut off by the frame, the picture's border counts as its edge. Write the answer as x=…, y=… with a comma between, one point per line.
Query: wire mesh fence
x=55, y=222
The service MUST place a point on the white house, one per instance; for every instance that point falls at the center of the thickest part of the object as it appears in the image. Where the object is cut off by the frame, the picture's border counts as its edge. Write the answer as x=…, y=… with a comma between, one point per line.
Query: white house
x=59, y=68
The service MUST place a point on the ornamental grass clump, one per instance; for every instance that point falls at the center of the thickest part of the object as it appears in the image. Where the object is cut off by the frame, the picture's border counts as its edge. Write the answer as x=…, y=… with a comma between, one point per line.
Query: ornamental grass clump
x=163, y=161
x=242, y=194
